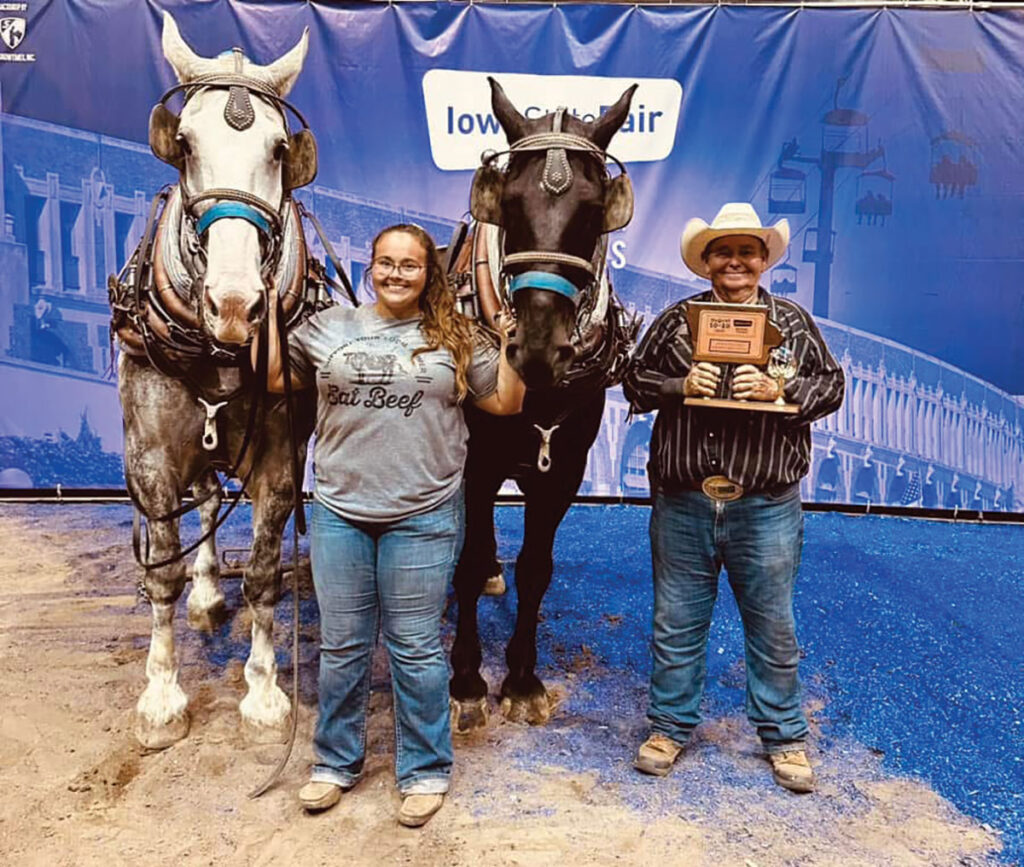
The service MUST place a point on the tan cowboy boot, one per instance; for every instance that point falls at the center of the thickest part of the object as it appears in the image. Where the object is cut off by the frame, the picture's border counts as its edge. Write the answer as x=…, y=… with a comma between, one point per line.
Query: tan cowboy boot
x=657, y=755
x=792, y=770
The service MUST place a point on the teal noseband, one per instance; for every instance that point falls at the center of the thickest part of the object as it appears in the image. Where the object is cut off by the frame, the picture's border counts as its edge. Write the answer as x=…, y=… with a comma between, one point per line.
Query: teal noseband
x=544, y=280
x=232, y=209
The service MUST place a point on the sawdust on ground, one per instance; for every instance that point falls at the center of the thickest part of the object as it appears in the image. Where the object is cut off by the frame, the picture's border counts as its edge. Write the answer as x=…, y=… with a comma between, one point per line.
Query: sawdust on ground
x=78, y=790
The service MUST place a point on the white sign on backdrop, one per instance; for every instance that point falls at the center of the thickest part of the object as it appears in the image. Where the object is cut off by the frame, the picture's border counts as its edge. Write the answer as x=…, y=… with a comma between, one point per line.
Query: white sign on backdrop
x=462, y=124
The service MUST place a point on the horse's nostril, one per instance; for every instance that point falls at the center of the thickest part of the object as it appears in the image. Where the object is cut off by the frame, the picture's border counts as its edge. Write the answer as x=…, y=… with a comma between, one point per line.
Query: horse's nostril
x=259, y=306
x=565, y=353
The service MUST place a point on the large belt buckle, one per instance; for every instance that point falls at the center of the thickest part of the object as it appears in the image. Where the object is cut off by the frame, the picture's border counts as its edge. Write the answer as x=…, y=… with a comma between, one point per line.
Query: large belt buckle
x=722, y=489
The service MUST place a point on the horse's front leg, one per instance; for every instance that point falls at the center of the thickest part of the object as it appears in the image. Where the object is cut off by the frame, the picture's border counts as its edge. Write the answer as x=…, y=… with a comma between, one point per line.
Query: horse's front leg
x=548, y=497
x=161, y=715
x=523, y=696
x=265, y=709
x=467, y=687
x=206, y=610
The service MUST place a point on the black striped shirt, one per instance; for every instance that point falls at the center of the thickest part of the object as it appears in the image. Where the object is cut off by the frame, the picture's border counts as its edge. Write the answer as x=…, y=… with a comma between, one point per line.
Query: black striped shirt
x=759, y=450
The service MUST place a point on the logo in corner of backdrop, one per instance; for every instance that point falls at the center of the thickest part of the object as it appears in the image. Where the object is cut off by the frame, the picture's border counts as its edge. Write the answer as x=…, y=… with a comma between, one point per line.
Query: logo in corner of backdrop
x=462, y=125
x=12, y=32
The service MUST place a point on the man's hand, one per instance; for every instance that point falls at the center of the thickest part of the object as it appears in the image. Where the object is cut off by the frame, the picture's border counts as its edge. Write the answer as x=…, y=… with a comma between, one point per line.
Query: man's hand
x=750, y=383
x=702, y=380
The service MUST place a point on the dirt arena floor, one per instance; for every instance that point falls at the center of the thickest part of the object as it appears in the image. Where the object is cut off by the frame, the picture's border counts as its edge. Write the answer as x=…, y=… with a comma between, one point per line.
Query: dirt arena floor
x=78, y=790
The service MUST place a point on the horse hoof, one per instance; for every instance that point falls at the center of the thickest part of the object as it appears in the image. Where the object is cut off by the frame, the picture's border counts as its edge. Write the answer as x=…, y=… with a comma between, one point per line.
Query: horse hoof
x=160, y=737
x=257, y=733
x=208, y=620
x=468, y=716
x=495, y=585
x=535, y=710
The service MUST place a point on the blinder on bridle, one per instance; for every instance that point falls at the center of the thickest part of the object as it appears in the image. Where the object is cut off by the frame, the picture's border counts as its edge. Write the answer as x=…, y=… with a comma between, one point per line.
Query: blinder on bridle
x=300, y=161
x=489, y=180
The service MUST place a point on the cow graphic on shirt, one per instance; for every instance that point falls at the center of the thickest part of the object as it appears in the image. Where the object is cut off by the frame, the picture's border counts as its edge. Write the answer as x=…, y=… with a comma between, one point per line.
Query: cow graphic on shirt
x=372, y=368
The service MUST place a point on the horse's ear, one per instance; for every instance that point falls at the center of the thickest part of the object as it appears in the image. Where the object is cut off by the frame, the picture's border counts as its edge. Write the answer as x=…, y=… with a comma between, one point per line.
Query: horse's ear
x=508, y=116
x=281, y=74
x=608, y=123
x=184, y=61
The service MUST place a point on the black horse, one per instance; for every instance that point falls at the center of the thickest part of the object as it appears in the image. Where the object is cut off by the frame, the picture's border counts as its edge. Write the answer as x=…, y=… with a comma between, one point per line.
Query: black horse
x=555, y=201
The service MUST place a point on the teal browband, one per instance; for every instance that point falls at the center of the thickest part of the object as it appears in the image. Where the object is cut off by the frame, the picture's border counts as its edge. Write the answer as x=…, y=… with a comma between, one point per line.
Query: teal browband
x=544, y=280
x=232, y=209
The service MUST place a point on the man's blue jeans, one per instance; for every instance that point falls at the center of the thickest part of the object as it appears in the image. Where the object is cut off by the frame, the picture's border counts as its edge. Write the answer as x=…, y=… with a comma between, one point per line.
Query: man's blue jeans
x=758, y=539
x=394, y=575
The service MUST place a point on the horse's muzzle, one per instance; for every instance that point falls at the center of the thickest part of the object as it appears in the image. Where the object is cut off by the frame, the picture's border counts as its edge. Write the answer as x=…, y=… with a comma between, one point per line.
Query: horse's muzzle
x=543, y=366
x=231, y=317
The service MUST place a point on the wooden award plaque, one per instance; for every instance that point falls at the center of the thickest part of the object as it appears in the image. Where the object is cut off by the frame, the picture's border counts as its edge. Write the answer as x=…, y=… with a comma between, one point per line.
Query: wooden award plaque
x=733, y=334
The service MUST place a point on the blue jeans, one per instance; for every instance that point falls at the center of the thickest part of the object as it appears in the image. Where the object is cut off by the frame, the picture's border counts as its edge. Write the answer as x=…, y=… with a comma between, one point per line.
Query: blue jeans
x=394, y=575
x=758, y=539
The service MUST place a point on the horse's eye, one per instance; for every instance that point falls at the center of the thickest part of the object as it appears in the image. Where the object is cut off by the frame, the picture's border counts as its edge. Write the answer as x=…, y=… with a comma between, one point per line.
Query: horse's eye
x=280, y=151
x=182, y=141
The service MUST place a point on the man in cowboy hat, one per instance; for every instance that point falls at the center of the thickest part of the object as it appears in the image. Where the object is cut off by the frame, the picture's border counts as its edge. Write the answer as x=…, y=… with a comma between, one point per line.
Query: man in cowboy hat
x=725, y=485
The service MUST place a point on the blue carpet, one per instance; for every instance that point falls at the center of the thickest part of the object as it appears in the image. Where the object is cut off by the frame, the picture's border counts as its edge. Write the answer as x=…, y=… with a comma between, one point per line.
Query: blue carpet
x=912, y=631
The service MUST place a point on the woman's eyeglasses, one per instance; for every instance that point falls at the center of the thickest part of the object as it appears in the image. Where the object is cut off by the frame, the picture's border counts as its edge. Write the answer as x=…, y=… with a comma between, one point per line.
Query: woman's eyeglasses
x=407, y=268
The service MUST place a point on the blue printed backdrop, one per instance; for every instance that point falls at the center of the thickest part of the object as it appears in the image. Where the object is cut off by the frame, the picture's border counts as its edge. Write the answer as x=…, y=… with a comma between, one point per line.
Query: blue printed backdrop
x=898, y=129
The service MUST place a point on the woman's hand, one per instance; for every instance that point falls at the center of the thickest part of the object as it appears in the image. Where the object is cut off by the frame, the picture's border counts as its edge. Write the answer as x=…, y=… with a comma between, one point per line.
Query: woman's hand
x=507, y=399
x=504, y=323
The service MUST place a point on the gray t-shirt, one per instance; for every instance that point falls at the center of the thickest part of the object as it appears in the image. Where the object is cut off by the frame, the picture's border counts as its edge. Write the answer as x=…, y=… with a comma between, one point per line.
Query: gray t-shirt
x=390, y=435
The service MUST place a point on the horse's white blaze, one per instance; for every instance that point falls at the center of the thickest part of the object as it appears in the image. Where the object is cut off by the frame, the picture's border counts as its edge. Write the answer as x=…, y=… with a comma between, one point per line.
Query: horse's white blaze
x=225, y=158
x=265, y=704
x=163, y=701
x=221, y=157
x=228, y=158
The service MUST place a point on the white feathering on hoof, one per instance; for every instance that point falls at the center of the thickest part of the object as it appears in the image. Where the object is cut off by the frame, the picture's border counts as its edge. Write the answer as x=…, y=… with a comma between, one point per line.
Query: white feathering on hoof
x=468, y=716
x=205, y=598
x=162, y=709
x=265, y=706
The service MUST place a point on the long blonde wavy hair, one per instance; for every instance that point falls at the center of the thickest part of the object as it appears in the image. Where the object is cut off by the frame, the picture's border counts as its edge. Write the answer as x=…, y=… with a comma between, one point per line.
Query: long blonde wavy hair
x=442, y=324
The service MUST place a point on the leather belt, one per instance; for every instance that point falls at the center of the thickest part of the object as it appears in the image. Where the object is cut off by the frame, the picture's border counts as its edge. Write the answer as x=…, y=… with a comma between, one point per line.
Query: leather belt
x=721, y=488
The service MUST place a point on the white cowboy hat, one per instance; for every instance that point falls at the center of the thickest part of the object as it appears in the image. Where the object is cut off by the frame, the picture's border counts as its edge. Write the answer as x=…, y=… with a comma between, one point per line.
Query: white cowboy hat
x=735, y=218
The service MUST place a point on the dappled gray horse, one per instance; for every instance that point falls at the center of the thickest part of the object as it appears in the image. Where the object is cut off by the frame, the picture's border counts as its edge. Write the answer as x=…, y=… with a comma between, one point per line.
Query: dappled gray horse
x=227, y=242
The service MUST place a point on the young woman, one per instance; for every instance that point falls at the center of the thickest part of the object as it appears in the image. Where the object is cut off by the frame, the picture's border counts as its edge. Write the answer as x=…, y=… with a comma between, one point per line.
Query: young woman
x=387, y=519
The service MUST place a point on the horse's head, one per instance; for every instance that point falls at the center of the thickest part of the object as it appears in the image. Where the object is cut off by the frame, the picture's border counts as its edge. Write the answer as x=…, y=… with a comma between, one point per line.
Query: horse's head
x=237, y=161
x=555, y=200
